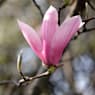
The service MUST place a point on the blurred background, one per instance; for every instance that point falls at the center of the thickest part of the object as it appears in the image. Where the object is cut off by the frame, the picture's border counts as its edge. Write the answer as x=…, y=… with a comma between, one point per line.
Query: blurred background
x=76, y=77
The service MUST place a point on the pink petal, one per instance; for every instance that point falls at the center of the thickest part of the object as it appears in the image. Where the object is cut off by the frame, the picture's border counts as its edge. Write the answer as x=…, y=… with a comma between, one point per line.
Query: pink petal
x=48, y=29
x=62, y=37
x=49, y=24
x=31, y=37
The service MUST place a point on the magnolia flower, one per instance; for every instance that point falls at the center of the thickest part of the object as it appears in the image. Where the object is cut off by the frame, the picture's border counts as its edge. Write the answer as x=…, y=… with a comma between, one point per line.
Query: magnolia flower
x=53, y=39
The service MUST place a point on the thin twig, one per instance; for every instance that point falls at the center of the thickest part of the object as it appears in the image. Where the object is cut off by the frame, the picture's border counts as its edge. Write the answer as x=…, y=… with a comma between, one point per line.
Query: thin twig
x=30, y=79
x=89, y=19
x=39, y=8
x=22, y=81
x=59, y=12
x=85, y=29
x=19, y=63
x=40, y=75
x=89, y=3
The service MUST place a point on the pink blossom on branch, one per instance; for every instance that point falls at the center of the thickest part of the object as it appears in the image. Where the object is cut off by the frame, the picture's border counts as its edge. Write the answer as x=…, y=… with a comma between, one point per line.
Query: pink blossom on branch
x=54, y=38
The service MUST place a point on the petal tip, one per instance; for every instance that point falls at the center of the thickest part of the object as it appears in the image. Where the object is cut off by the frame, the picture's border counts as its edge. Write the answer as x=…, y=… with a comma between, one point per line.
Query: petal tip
x=20, y=23
x=52, y=8
x=51, y=12
x=79, y=19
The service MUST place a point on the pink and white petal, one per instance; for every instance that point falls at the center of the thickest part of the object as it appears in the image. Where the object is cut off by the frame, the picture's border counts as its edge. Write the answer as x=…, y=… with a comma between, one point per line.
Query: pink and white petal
x=68, y=29
x=31, y=37
x=50, y=24
x=62, y=37
x=48, y=28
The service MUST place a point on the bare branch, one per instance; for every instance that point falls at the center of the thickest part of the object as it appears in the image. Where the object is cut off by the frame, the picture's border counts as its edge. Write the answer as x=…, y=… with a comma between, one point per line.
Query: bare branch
x=30, y=79
x=59, y=12
x=85, y=29
x=39, y=8
x=27, y=79
x=19, y=63
x=89, y=19
x=22, y=81
x=89, y=3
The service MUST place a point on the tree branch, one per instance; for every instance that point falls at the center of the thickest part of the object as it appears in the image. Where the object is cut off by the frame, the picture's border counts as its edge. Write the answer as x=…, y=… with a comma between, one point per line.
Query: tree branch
x=59, y=12
x=39, y=8
x=85, y=29
x=23, y=81
x=89, y=3
x=30, y=79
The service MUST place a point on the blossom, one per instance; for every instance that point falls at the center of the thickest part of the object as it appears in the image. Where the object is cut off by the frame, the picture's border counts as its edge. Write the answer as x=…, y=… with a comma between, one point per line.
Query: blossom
x=53, y=39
